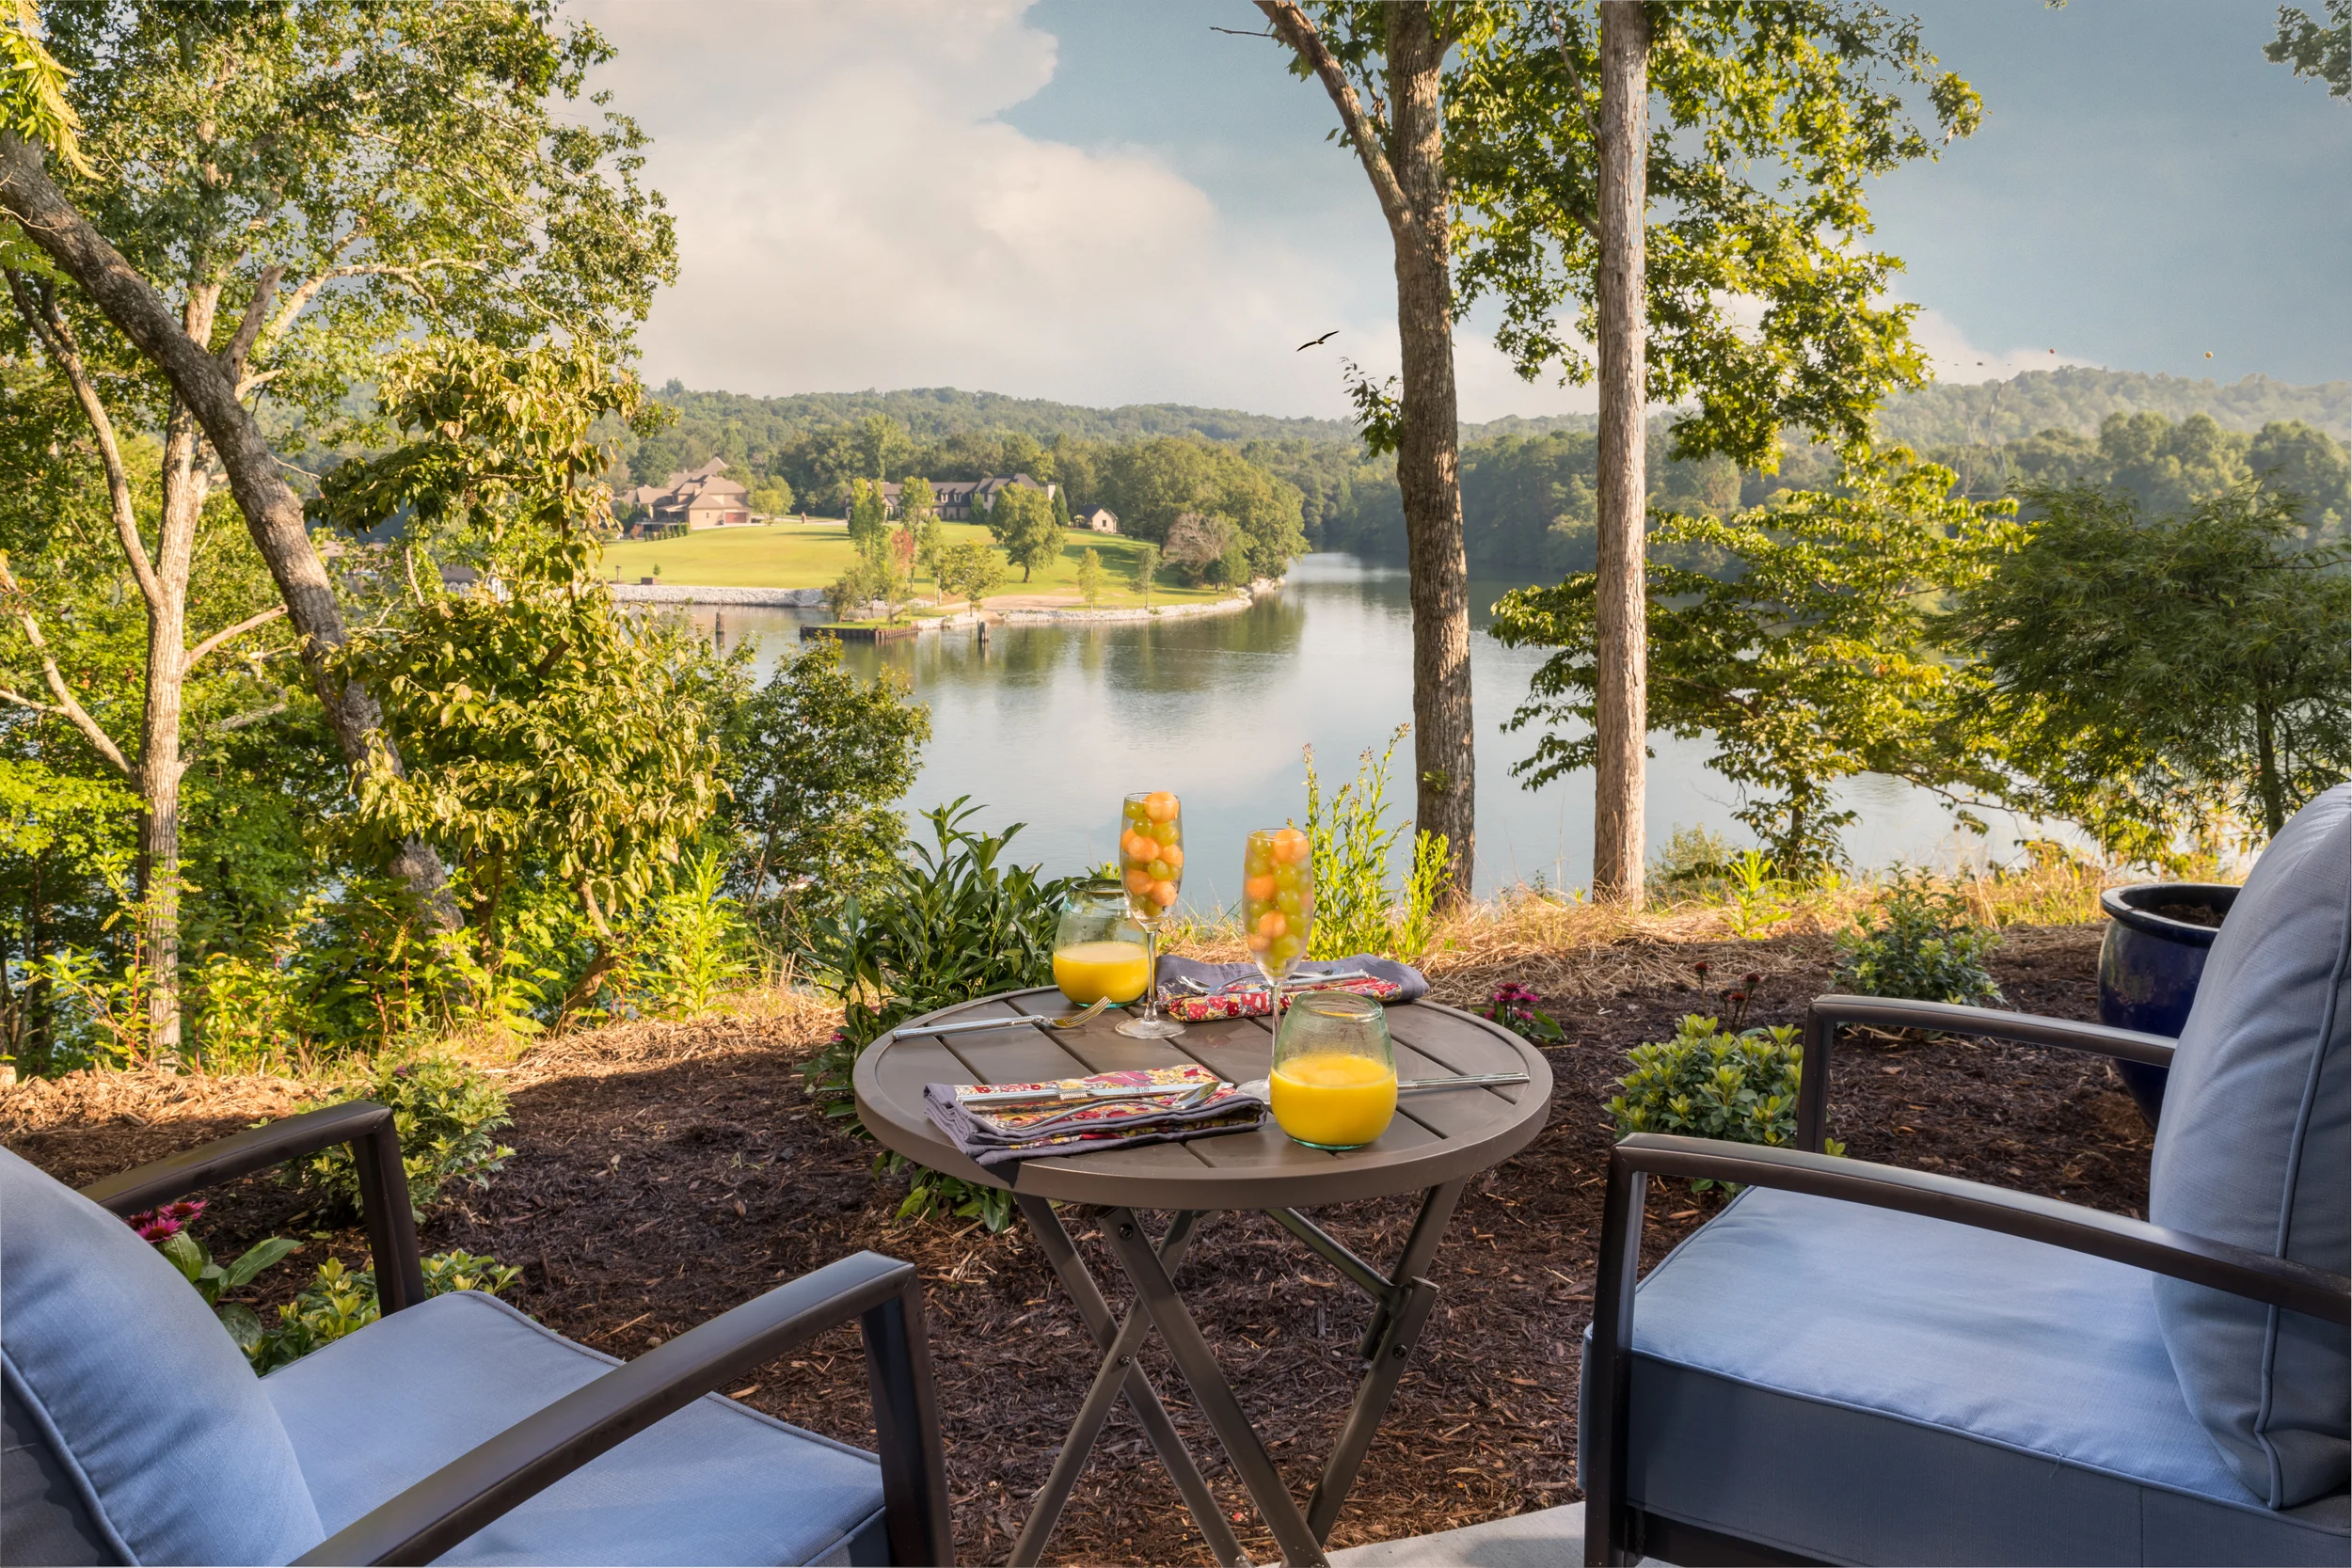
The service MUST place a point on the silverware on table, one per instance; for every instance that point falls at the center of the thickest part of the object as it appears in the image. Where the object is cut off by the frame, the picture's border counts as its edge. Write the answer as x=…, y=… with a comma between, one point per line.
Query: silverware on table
x=1071, y=1021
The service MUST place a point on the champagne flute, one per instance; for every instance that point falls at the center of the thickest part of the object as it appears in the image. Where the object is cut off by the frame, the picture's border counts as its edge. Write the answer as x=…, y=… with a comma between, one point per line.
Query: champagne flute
x=1278, y=905
x=1151, y=865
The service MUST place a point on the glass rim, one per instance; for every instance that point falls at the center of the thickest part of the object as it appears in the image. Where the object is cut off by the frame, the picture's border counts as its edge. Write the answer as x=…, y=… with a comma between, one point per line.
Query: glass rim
x=1334, y=1004
x=1147, y=794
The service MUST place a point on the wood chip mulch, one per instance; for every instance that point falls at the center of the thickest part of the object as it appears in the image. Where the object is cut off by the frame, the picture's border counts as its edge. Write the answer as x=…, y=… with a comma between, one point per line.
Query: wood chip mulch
x=664, y=1173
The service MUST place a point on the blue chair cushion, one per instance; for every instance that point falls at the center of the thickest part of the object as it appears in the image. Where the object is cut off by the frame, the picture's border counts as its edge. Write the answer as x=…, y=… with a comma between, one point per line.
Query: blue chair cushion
x=1859, y=1385
x=2255, y=1148
x=372, y=1414
x=141, y=1399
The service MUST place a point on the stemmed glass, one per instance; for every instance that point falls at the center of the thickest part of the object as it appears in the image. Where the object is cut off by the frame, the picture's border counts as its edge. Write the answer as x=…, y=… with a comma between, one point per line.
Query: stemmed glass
x=1151, y=864
x=1278, y=905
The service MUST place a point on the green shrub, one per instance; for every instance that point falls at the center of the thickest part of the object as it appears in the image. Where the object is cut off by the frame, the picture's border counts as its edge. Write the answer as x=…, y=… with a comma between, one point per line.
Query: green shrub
x=1354, y=842
x=1922, y=943
x=167, y=1228
x=947, y=925
x=694, y=945
x=1710, y=1082
x=444, y=1111
x=339, y=1302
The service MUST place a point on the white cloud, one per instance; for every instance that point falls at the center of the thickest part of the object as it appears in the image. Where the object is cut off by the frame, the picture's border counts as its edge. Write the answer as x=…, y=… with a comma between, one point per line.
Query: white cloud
x=851, y=212
x=1957, y=360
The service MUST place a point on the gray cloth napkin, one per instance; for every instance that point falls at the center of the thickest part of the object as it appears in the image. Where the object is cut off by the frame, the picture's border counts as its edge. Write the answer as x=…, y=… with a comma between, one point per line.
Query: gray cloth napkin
x=986, y=1146
x=1410, y=981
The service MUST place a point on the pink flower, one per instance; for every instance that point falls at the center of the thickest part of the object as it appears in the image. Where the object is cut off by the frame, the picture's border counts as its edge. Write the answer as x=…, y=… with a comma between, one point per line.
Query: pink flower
x=158, y=1225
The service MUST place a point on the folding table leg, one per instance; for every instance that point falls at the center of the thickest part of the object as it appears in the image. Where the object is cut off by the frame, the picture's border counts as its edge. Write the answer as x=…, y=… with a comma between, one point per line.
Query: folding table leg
x=1117, y=1374
x=1214, y=1394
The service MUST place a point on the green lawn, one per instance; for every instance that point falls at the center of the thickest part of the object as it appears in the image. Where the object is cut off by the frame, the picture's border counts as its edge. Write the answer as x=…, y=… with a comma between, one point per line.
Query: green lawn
x=810, y=555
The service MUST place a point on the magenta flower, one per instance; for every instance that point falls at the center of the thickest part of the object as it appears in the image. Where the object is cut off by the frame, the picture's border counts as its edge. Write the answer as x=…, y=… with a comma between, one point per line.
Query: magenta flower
x=158, y=1225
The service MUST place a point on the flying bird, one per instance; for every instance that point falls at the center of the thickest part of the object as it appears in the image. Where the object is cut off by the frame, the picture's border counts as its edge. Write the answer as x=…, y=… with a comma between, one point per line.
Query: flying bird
x=1315, y=343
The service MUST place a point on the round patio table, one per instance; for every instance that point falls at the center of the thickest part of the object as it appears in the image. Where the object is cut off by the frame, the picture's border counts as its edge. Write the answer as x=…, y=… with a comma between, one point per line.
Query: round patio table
x=1437, y=1142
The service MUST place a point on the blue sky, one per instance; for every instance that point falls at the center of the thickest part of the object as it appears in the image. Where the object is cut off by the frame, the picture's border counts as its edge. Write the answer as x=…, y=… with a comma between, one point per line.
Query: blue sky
x=1104, y=200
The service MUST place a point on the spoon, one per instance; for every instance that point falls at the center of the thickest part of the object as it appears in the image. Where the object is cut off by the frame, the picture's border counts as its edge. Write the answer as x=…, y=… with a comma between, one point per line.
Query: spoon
x=1261, y=1087
x=1070, y=1022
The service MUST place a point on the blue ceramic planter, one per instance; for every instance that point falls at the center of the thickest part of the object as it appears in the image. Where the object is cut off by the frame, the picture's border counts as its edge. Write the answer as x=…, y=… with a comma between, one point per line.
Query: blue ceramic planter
x=2148, y=967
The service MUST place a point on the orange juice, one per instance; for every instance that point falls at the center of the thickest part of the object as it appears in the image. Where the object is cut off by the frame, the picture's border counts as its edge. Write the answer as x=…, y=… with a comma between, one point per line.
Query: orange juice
x=1334, y=1099
x=1090, y=971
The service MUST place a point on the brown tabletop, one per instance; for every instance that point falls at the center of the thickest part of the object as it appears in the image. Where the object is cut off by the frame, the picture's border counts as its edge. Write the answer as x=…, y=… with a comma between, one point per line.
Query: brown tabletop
x=1437, y=1137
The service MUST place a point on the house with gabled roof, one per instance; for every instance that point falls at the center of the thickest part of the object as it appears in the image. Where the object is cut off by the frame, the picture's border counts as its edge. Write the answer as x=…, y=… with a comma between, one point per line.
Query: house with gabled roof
x=693, y=498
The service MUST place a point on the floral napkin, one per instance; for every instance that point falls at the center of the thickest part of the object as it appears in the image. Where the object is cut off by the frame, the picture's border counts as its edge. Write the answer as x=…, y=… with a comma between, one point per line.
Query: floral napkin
x=1084, y=1116
x=1198, y=992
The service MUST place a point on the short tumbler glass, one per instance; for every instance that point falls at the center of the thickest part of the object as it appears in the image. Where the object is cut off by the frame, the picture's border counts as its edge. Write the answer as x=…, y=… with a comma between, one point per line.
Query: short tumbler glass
x=1334, y=1079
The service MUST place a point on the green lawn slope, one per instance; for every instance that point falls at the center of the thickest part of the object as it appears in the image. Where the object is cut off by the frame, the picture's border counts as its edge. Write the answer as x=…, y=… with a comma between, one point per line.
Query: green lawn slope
x=810, y=555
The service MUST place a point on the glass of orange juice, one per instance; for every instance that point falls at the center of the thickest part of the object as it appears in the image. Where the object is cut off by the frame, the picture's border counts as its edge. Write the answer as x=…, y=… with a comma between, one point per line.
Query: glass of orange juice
x=1151, y=871
x=1099, y=950
x=1334, y=1079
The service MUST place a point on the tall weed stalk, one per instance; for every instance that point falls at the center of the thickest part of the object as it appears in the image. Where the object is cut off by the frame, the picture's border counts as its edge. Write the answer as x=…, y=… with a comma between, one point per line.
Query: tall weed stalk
x=1353, y=840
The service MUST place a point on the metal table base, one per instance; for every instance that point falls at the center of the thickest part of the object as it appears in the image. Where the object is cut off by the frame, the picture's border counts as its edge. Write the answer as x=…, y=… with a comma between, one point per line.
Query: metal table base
x=1401, y=1304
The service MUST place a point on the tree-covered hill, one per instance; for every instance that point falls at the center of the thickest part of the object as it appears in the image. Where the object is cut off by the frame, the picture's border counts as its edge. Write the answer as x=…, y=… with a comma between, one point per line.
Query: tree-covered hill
x=2078, y=399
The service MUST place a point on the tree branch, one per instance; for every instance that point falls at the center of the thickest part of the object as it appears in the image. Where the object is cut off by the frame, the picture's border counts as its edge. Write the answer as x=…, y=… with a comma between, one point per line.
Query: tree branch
x=249, y=329
x=299, y=299
x=49, y=328
x=213, y=642
x=66, y=706
x=242, y=719
x=1291, y=25
x=1583, y=110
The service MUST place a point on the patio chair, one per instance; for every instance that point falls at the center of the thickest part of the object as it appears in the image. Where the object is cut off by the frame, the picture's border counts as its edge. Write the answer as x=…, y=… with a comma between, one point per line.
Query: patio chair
x=453, y=1429
x=1854, y=1363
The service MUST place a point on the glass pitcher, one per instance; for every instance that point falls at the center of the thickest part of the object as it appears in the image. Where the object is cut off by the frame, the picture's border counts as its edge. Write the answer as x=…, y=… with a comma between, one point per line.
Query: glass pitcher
x=1099, y=950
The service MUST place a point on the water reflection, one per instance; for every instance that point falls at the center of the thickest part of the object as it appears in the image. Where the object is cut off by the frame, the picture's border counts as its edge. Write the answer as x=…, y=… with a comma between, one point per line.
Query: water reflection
x=1051, y=726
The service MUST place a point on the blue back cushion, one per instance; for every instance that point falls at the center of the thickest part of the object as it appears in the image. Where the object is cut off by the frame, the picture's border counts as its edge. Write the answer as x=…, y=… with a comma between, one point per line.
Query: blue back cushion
x=141, y=1392
x=2255, y=1148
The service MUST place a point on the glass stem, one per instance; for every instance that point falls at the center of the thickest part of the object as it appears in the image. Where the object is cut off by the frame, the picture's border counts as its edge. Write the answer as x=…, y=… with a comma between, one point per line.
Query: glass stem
x=1151, y=971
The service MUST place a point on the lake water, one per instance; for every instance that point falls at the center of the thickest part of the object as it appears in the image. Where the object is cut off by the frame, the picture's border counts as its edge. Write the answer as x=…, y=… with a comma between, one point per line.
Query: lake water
x=1051, y=724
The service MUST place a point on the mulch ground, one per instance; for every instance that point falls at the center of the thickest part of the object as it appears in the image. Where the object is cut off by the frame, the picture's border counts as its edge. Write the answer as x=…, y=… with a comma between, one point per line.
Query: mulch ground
x=664, y=1173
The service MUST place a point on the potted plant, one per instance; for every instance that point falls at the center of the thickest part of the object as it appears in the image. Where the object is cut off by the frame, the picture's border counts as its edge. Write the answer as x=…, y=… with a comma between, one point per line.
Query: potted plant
x=2154, y=954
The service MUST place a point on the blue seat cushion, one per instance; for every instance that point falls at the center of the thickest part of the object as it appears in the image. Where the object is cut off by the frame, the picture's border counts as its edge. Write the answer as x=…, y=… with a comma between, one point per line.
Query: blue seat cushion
x=144, y=1406
x=716, y=1483
x=1858, y=1386
x=2255, y=1148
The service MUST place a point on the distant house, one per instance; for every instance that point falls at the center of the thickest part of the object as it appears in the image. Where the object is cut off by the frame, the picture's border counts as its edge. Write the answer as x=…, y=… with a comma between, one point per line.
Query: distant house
x=954, y=497
x=1101, y=519
x=692, y=499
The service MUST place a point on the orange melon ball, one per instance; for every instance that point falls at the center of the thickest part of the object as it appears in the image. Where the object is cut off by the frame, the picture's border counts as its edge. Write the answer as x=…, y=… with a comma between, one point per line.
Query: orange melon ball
x=1173, y=854
x=1138, y=882
x=1258, y=887
x=1162, y=894
x=1271, y=923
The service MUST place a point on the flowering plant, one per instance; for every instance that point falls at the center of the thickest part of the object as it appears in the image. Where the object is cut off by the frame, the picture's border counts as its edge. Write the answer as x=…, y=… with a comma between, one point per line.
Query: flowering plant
x=1513, y=1005
x=168, y=1229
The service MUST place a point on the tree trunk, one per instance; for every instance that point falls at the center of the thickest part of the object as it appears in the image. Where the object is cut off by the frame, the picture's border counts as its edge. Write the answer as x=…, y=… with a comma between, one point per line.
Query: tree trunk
x=161, y=764
x=1428, y=455
x=272, y=512
x=1621, y=718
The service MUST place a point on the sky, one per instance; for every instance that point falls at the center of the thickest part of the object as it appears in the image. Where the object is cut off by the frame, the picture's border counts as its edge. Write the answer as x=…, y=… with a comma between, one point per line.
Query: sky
x=1106, y=201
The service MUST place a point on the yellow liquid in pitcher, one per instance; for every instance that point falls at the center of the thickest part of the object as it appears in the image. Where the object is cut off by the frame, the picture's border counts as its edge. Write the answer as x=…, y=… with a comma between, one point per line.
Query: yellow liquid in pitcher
x=1090, y=971
x=1334, y=1099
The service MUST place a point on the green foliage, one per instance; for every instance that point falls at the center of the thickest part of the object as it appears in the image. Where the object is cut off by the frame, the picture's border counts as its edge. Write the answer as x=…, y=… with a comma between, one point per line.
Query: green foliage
x=771, y=497
x=1768, y=122
x=32, y=90
x=970, y=571
x=949, y=924
x=1353, y=845
x=817, y=759
x=1147, y=567
x=1022, y=520
x=867, y=515
x=1709, y=1082
x=1150, y=485
x=1091, y=582
x=2150, y=677
x=1921, y=943
x=867, y=580
x=445, y=1112
x=1821, y=659
x=194, y=1260
x=692, y=946
x=2319, y=50
x=338, y=1302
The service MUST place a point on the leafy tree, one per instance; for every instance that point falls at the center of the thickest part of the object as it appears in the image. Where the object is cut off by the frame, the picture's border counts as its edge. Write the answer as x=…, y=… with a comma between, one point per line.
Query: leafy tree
x=1023, y=522
x=1821, y=659
x=1151, y=484
x=2309, y=465
x=772, y=497
x=1197, y=542
x=867, y=580
x=1061, y=506
x=288, y=190
x=1091, y=577
x=1147, y=567
x=971, y=571
x=548, y=730
x=816, y=761
x=1762, y=124
x=929, y=541
x=867, y=518
x=2166, y=467
x=2149, y=676
x=2322, y=51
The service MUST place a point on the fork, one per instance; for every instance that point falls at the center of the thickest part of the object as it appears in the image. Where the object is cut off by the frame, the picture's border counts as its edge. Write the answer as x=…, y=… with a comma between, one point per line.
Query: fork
x=1070, y=1022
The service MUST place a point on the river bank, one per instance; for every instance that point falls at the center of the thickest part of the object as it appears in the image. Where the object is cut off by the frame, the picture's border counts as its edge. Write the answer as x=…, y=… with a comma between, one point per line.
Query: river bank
x=1037, y=609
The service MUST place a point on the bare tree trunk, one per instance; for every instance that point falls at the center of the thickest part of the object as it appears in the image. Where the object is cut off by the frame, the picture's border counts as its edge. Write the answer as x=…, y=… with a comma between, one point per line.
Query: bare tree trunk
x=1406, y=168
x=206, y=387
x=1621, y=696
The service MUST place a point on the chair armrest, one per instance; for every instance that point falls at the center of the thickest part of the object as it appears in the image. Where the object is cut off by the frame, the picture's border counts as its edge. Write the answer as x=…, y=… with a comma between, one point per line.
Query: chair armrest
x=883, y=1295
x=1829, y=1014
x=364, y=1124
x=1636, y=1158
